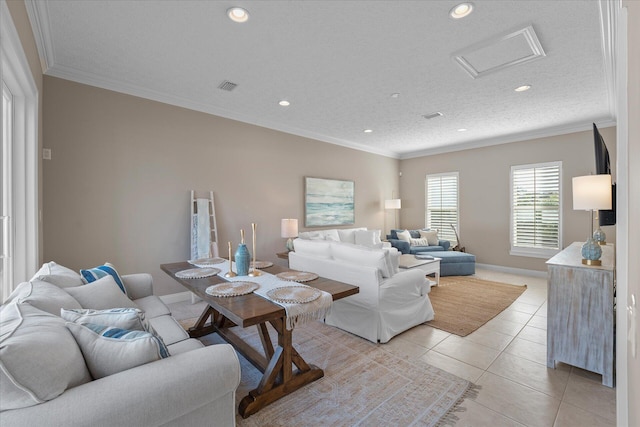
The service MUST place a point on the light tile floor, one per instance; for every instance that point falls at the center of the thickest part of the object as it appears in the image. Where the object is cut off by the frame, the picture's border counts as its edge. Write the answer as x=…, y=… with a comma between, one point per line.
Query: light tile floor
x=507, y=358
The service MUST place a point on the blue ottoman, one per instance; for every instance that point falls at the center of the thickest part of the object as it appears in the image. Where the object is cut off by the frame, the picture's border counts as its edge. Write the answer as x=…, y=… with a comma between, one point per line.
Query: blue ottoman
x=456, y=263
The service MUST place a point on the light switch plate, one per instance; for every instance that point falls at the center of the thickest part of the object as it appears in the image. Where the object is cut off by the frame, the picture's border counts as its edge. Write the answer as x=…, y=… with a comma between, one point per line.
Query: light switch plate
x=46, y=154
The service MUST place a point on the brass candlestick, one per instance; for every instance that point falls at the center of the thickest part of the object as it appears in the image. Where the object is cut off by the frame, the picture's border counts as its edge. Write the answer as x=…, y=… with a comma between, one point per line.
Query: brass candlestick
x=254, y=272
x=230, y=273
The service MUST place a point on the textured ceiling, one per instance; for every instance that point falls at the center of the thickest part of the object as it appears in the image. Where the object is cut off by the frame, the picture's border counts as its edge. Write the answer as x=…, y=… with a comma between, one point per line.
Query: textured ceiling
x=339, y=62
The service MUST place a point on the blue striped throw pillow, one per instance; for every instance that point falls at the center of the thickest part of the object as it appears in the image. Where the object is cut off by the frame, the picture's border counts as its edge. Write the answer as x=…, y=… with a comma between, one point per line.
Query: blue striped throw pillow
x=108, y=350
x=93, y=274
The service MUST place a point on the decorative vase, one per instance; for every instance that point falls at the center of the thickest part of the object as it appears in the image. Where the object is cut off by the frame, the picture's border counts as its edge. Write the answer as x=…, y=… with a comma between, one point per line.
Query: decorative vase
x=591, y=252
x=242, y=257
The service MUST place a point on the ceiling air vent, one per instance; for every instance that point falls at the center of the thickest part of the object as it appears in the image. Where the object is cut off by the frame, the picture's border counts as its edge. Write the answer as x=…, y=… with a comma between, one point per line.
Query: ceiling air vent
x=433, y=115
x=227, y=85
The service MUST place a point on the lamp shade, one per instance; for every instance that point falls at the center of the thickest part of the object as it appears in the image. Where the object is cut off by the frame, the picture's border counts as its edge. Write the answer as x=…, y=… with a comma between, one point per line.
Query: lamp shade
x=289, y=228
x=592, y=192
x=393, y=204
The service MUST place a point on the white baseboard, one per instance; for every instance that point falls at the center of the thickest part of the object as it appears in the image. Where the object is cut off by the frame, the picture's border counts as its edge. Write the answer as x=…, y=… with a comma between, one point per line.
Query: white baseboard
x=511, y=270
x=178, y=297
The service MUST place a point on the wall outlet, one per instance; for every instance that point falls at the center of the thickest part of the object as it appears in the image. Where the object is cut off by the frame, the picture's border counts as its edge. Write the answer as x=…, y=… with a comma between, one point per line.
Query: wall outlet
x=46, y=154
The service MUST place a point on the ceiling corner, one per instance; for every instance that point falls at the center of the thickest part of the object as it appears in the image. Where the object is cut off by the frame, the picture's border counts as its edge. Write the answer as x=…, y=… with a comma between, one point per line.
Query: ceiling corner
x=38, y=13
x=608, y=29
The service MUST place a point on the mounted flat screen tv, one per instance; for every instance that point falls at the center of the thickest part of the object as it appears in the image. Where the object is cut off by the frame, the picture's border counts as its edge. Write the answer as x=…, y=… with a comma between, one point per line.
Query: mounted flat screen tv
x=603, y=166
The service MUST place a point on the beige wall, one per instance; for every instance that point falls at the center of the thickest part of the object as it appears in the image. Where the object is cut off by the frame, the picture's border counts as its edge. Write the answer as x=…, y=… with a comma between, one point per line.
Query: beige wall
x=23, y=27
x=484, y=191
x=117, y=187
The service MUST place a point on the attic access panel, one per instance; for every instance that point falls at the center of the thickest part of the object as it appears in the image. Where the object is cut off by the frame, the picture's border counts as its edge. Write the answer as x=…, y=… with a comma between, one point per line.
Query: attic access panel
x=501, y=52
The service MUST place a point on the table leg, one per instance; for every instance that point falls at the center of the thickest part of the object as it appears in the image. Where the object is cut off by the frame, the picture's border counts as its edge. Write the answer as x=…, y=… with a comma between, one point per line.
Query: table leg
x=278, y=379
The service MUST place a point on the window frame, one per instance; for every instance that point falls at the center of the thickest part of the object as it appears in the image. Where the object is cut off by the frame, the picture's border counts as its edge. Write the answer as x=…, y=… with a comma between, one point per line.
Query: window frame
x=24, y=225
x=534, y=252
x=448, y=234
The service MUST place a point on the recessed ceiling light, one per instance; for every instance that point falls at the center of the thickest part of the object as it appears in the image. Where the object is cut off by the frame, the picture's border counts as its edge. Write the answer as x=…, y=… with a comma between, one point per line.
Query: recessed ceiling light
x=238, y=14
x=368, y=130
x=395, y=95
x=462, y=130
x=461, y=10
x=284, y=103
x=523, y=88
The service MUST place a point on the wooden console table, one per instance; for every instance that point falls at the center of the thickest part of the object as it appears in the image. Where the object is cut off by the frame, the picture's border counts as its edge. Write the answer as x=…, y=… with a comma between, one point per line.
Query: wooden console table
x=276, y=364
x=581, y=312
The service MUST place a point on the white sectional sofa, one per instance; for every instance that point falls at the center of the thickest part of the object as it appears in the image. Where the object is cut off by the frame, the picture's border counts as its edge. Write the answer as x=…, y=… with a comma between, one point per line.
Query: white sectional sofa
x=390, y=301
x=57, y=372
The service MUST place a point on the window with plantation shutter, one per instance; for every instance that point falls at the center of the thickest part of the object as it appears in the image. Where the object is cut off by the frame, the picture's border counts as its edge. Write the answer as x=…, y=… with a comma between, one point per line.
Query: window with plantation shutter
x=536, y=220
x=441, y=211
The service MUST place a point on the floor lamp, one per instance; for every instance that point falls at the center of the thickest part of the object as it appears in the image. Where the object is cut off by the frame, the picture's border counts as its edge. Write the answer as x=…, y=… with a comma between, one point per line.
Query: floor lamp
x=395, y=205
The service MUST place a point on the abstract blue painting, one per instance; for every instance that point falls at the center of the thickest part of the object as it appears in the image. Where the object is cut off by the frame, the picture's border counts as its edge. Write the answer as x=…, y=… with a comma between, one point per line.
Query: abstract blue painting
x=328, y=202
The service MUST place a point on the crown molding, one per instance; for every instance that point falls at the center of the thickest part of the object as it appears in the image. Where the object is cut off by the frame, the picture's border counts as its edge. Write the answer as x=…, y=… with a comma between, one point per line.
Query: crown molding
x=524, y=136
x=134, y=90
x=38, y=12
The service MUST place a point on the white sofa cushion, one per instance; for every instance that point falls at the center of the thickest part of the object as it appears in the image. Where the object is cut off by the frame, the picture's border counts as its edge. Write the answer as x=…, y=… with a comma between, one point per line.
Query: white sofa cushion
x=311, y=235
x=102, y=294
x=58, y=275
x=318, y=248
x=125, y=318
x=109, y=350
x=361, y=255
x=44, y=296
x=39, y=359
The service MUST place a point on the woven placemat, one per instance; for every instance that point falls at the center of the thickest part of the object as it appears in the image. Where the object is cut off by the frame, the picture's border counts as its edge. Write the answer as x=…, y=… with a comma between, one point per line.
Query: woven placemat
x=297, y=276
x=232, y=289
x=261, y=264
x=197, y=273
x=206, y=262
x=294, y=294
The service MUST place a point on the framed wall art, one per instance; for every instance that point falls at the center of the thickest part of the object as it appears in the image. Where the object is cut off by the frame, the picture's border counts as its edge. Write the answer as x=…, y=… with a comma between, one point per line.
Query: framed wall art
x=328, y=202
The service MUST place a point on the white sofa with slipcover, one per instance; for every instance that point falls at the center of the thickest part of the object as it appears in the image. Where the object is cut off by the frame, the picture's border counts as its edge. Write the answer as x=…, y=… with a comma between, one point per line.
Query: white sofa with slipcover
x=390, y=300
x=106, y=353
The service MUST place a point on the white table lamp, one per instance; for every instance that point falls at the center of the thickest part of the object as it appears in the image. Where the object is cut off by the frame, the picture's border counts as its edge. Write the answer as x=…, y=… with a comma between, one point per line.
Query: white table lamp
x=289, y=229
x=591, y=192
x=394, y=204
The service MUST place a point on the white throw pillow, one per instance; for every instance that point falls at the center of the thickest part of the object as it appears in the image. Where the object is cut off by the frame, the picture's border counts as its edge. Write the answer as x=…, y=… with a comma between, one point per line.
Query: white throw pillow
x=419, y=242
x=431, y=236
x=310, y=235
x=102, y=294
x=108, y=350
x=361, y=255
x=348, y=235
x=317, y=248
x=44, y=296
x=39, y=359
x=58, y=275
x=404, y=235
x=331, y=235
x=132, y=319
x=369, y=238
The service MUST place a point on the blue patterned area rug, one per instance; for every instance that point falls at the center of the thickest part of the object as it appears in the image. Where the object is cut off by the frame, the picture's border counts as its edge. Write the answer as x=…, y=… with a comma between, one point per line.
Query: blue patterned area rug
x=365, y=384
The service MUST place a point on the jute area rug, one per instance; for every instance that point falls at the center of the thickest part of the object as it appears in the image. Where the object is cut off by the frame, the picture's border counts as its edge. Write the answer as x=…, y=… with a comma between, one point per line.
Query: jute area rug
x=364, y=384
x=462, y=303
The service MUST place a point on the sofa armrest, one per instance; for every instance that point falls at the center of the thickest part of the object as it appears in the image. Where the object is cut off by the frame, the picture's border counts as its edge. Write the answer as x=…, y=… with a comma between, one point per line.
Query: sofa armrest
x=401, y=245
x=445, y=244
x=148, y=395
x=138, y=285
x=406, y=285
